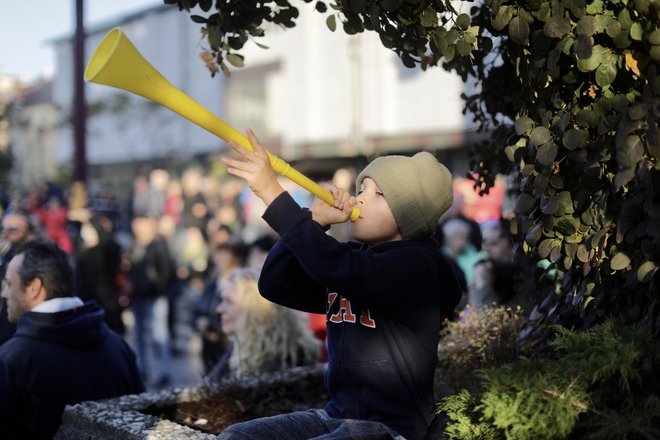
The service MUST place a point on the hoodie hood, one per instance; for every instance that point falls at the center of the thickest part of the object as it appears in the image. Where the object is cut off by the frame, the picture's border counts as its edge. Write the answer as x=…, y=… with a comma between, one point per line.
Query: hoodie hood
x=80, y=327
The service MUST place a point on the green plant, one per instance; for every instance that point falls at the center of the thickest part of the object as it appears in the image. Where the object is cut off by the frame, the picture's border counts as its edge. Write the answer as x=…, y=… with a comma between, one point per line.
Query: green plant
x=464, y=418
x=596, y=383
x=483, y=335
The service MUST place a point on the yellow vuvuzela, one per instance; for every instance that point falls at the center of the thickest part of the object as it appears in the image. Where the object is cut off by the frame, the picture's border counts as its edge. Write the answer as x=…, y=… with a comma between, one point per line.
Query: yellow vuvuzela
x=117, y=63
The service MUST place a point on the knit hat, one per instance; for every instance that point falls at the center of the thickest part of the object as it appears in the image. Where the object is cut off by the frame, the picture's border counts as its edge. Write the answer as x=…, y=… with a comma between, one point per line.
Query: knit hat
x=417, y=189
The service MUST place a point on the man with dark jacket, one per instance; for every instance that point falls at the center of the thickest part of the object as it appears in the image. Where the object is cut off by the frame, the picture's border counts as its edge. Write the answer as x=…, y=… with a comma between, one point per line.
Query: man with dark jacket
x=62, y=352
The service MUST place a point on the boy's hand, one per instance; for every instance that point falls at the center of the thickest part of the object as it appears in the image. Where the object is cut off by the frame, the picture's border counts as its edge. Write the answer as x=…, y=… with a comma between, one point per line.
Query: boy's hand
x=255, y=169
x=338, y=212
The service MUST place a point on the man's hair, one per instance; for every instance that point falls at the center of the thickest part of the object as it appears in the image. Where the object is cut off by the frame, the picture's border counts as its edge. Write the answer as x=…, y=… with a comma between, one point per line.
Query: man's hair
x=50, y=264
x=25, y=215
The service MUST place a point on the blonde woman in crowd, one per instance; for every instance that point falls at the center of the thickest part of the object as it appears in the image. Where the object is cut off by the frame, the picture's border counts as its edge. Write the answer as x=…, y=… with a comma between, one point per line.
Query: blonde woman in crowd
x=265, y=337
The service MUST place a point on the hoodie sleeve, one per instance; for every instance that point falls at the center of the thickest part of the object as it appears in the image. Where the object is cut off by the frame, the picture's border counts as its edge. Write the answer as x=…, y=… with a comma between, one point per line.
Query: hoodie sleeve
x=363, y=277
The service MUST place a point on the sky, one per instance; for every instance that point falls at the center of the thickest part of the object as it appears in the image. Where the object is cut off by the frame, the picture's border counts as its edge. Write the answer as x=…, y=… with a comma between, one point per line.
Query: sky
x=26, y=26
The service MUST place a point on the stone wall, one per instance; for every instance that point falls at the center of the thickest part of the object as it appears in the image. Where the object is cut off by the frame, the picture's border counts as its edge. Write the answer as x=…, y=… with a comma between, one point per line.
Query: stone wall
x=126, y=417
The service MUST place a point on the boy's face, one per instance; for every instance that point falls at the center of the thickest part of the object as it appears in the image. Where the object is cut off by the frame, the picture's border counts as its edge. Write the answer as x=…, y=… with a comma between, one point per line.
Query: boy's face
x=376, y=223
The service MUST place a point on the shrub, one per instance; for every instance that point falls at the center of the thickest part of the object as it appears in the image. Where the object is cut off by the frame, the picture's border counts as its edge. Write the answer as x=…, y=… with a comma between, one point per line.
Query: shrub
x=600, y=383
x=482, y=336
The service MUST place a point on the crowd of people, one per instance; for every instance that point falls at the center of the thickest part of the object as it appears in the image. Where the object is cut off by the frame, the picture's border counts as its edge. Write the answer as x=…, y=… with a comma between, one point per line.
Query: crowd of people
x=135, y=258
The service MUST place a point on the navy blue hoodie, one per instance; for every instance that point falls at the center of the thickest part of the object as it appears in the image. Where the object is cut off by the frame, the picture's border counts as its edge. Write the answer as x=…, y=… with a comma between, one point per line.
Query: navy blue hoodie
x=56, y=359
x=384, y=307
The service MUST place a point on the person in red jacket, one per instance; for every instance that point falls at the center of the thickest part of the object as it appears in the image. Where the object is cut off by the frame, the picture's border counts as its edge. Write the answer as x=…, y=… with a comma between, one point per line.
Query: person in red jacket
x=53, y=217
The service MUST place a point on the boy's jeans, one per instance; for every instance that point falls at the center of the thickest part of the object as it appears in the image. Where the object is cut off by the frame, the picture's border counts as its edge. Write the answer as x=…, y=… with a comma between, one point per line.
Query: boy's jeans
x=313, y=424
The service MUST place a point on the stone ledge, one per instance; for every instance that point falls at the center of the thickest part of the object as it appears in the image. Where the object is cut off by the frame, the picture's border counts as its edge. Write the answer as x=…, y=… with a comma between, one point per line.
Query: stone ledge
x=121, y=418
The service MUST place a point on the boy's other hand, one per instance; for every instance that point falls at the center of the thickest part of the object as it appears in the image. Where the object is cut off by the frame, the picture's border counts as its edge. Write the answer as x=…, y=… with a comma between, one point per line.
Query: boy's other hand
x=255, y=169
x=338, y=212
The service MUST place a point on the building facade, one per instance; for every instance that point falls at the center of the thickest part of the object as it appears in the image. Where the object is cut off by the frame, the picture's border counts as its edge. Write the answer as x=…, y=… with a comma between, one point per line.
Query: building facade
x=312, y=95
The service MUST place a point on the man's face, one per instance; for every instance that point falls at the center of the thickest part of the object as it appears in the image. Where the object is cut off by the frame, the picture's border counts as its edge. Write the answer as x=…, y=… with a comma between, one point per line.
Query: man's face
x=14, y=229
x=13, y=291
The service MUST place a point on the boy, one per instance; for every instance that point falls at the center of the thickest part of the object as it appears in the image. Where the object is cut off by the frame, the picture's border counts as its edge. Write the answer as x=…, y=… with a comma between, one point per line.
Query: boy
x=384, y=298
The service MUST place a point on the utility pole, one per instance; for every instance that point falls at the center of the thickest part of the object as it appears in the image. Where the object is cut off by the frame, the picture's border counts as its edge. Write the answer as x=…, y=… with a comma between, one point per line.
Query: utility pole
x=80, y=113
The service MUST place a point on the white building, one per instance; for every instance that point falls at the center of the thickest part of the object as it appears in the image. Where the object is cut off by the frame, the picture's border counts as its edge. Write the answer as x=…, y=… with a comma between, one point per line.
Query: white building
x=312, y=94
x=34, y=122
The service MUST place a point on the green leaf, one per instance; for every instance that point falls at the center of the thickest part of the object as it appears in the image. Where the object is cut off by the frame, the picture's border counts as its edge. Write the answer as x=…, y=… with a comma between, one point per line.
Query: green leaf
x=622, y=40
x=557, y=181
x=588, y=25
x=519, y=31
x=645, y=271
x=448, y=52
x=582, y=253
x=606, y=72
x=438, y=37
x=502, y=18
x=583, y=46
x=214, y=36
x=550, y=206
x=613, y=28
x=590, y=64
x=524, y=203
x=463, y=47
x=565, y=203
x=595, y=7
x=624, y=19
x=557, y=27
x=620, y=261
x=654, y=38
x=586, y=118
x=429, y=18
x=523, y=125
x=540, y=135
x=463, y=21
x=636, y=31
x=331, y=22
x=199, y=19
x=655, y=53
x=574, y=138
x=546, y=153
x=235, y=59
x=547, y=245
x=631, y=152
x=623, y=177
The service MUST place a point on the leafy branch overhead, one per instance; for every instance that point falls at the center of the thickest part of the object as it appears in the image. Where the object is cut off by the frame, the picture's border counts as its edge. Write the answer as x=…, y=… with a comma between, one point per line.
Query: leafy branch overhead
x=569, y=91
x=420, y=32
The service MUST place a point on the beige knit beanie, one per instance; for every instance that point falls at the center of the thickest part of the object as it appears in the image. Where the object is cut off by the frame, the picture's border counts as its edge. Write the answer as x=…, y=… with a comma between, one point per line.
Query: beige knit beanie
x=417, y=189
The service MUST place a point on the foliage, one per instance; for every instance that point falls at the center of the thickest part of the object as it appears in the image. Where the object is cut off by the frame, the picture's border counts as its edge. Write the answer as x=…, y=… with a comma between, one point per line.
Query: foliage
x=464, y=418
x=568, y=90
x=483, y=335
x=597, y=382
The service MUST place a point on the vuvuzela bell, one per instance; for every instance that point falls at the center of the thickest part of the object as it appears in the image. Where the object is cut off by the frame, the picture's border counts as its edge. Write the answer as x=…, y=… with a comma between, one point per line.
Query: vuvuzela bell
x=117, y=63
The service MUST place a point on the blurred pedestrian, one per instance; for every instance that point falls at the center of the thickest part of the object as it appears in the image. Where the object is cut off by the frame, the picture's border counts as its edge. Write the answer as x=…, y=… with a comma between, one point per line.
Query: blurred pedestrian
x=151, y=272
x=265, y=337
x=16, y=229
x=226, y=256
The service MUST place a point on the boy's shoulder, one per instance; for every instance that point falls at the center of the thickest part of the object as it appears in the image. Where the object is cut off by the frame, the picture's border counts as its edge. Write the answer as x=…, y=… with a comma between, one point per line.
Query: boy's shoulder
x=414, y=249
